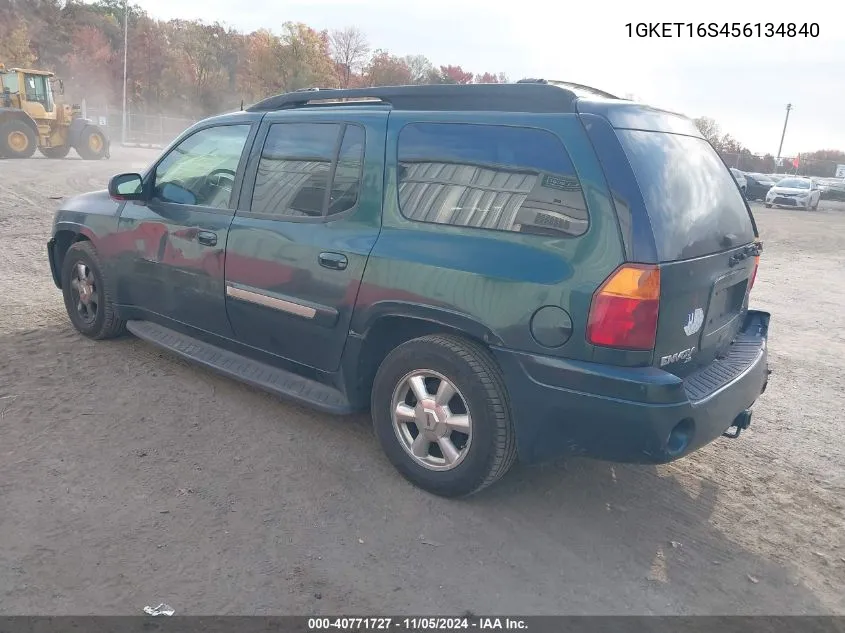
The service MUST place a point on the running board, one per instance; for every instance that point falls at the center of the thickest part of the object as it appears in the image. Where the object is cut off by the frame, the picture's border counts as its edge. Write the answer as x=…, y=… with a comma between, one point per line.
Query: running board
x=278, y=381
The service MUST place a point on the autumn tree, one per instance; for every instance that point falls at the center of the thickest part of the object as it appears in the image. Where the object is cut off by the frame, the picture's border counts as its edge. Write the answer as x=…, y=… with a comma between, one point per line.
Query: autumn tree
x=90, y=65
x=15, y=49
x=385, y=69
x=455, y=75
x=349, y=50
x=305, y=57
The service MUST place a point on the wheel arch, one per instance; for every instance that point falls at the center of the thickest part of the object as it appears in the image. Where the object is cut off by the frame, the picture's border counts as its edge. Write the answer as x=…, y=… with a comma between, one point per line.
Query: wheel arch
x=391, y=325
x=64, y=237
x=13, y=114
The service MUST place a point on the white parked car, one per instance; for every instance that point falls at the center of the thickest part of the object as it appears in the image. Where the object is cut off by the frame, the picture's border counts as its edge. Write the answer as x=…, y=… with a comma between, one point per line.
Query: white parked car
x=802, y=193
x=740, y=180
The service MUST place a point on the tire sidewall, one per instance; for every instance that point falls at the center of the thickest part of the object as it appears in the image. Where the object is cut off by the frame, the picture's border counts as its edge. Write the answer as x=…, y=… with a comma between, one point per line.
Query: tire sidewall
x=417, y=355
x=74, y=256
x=7, y=129
x=84, y=149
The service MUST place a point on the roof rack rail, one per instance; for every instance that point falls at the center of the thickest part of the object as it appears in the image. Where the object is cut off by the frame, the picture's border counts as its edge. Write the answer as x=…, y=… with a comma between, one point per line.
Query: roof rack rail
x=570, y=84
x=513, y=97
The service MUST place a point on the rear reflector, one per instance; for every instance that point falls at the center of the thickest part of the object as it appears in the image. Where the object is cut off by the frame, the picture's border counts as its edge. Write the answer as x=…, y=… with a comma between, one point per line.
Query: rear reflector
x=623, y=313
x=754, y=274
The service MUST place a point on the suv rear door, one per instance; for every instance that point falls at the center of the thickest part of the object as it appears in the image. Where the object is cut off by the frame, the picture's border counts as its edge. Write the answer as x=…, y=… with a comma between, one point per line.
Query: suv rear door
x=308, y=219
x=680, y=208
x=704, y=239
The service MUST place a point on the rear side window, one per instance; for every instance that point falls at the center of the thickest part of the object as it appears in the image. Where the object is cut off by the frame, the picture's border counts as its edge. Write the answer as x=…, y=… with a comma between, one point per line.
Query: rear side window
x=309, y=170
x=489, y=177
x=694, y=205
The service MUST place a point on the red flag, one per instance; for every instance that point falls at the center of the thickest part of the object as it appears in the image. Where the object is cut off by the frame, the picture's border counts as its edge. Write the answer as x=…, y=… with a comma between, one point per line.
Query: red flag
x=795, y=163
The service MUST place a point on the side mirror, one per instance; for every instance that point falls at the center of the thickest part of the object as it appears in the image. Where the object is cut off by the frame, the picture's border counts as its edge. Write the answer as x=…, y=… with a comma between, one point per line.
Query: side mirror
x=126, y=187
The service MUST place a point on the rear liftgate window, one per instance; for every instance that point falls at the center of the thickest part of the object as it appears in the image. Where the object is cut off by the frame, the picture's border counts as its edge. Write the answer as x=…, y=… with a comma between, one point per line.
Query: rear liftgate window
x=489, y=177
x=694, y=204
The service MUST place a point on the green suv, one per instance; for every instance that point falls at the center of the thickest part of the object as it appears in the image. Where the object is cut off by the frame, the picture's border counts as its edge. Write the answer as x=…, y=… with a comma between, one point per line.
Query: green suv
x=494, y=271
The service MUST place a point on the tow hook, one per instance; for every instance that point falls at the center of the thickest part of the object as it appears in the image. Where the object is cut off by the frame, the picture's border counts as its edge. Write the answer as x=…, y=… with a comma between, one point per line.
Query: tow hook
x=741, y=422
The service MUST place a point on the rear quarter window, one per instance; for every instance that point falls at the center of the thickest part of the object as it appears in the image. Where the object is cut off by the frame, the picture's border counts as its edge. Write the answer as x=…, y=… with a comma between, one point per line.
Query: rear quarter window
x=489, y=177
x=694, y=204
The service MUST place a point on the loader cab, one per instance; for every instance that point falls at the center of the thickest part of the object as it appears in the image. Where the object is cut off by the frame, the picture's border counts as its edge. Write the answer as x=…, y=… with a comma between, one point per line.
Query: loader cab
x=30, y=90
x=39, y=89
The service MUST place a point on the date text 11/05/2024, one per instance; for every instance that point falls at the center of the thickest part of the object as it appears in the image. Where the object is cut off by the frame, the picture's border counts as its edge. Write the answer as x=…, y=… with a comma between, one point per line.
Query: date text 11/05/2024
x=722, y=29
x=416, y=624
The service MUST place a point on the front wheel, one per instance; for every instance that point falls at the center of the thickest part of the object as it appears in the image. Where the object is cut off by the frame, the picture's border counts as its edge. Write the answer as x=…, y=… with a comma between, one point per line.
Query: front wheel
x=442, y=415
x=87, y=300
x=768, y=206
x=92, y=144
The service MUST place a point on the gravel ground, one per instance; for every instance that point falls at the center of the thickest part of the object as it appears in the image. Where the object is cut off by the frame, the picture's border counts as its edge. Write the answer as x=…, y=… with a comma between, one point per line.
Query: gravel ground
x=129, y=478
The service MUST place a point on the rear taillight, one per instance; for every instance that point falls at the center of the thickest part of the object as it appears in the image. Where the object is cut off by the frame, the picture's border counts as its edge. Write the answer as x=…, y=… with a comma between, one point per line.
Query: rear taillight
x=754, y=273
x=624, y=310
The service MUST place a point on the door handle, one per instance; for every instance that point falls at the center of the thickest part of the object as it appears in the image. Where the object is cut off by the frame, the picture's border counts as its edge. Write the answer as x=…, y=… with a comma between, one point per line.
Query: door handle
x=207, y=238
x=335, y=261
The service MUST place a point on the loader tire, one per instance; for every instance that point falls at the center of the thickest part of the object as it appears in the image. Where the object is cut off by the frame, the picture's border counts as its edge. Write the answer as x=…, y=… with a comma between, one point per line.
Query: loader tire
x=55, y=152
x=92, y=144
x=17, y=140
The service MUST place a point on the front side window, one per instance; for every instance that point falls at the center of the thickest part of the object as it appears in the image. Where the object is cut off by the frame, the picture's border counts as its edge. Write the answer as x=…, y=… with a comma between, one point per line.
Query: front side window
x=201, y=169
x=489, y=177
x=309, y=170
x=38, y=90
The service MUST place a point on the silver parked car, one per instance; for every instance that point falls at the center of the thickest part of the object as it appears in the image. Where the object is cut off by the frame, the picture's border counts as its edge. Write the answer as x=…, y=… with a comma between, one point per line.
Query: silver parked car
x=794, y=192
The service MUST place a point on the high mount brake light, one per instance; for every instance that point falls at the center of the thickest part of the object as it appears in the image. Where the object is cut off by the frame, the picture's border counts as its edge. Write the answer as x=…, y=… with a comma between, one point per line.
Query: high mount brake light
x=623, y=313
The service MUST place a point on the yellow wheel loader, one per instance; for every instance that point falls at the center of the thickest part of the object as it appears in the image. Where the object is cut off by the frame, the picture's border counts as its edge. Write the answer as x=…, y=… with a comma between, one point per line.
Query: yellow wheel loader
x=31, y=119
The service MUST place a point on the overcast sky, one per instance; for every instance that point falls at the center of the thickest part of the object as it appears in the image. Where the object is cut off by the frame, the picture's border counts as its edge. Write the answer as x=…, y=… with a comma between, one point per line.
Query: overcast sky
x=743, y=83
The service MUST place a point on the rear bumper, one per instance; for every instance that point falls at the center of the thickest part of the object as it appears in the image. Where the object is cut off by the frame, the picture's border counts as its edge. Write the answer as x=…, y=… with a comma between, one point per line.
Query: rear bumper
x=639, y=414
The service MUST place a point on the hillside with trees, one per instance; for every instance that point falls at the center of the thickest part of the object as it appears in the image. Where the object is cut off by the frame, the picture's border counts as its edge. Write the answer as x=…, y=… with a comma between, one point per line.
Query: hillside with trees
x=194, y=68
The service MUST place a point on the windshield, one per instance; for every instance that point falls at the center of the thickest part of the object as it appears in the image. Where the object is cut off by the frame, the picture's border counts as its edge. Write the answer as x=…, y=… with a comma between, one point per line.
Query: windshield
x=693, y=202
x=794, y=183
x=10, y=81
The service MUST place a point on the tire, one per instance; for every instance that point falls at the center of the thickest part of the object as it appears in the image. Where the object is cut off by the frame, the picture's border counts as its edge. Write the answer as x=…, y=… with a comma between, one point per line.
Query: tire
x=92, y=144
x=768, y=206
x=17, y=140
x=490, y=448
x=102, y=321
x=55, y=152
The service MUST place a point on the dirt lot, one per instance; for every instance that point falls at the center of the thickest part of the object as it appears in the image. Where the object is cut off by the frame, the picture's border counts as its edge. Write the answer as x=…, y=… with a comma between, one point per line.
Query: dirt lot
x=129, y=478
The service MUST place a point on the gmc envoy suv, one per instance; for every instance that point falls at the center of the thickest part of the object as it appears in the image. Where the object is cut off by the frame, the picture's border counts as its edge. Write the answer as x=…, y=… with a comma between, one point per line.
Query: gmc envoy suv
x=493, y=271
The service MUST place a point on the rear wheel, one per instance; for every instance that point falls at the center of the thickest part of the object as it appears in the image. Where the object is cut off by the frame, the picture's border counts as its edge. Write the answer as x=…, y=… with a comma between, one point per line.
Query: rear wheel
x=17, y=140
x=768, y=206
x=55, y=152
x=441, y=413
x=87, y=301
x=92, y=144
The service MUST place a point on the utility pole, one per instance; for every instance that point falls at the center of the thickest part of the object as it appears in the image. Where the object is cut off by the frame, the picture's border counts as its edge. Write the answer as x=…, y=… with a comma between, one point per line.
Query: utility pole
x=780, y=147
x=125, y=57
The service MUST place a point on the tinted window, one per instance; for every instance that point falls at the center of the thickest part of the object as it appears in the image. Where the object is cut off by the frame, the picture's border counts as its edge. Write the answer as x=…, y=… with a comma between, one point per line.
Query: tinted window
x=694, y=205
x=201, y=169
x=296, y=164
x=490, y=177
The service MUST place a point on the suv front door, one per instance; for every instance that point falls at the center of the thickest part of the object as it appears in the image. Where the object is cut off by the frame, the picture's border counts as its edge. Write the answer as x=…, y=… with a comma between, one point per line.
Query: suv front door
x=172, y=260
x=309, y=216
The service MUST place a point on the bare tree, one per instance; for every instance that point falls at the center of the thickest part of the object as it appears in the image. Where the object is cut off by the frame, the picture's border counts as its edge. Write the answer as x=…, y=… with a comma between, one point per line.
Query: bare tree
x=709, y=129
x=349, y=49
